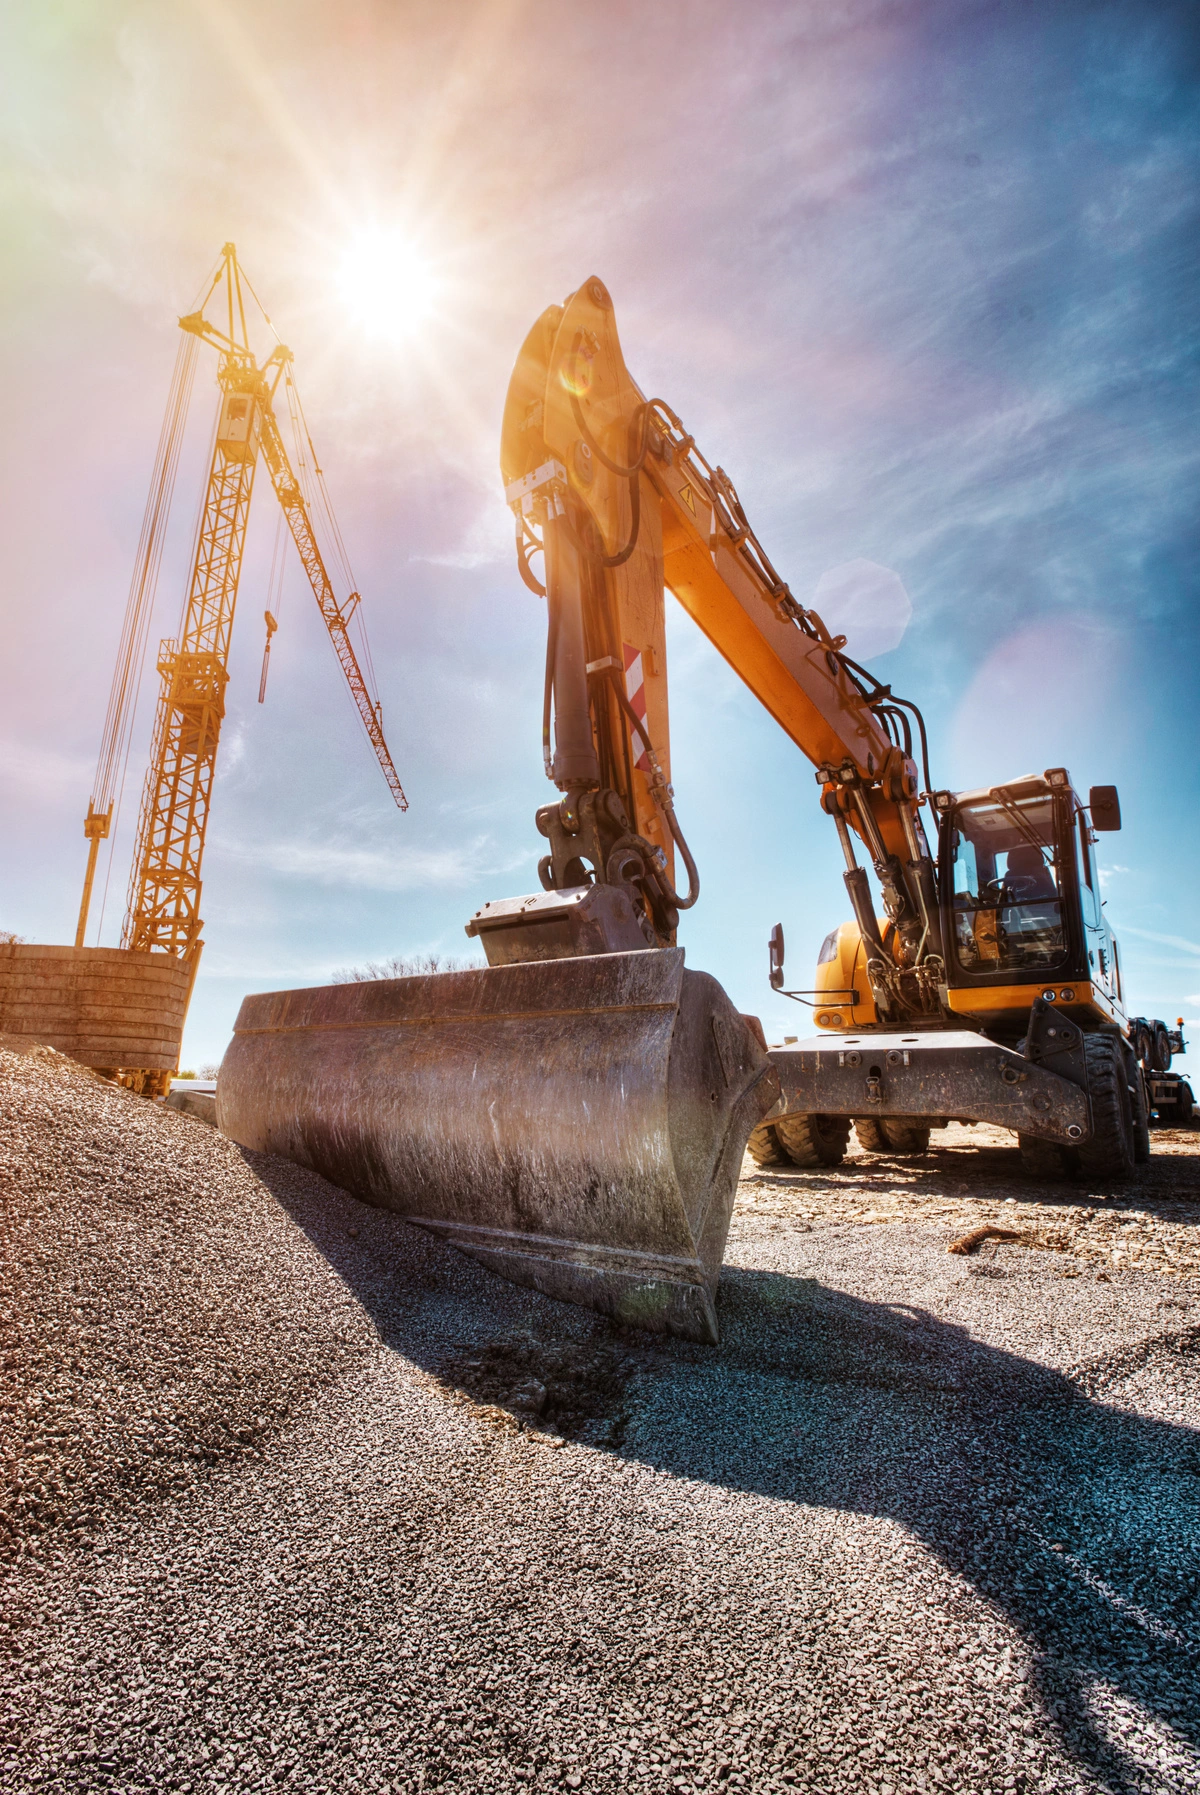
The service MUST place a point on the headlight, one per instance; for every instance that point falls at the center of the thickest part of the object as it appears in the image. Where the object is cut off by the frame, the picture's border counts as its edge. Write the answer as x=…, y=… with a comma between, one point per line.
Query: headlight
x=1067, y=995
x=1049, y=996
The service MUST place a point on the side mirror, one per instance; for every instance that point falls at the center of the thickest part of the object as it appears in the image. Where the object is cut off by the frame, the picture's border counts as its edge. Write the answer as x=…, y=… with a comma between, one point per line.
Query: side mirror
x=775, y=945
x=1105, y=807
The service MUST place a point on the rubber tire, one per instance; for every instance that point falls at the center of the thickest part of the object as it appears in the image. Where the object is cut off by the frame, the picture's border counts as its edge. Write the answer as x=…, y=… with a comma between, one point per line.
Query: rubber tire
x=1162, y=1050
x=870, y=1136
x=1110, y=1154
x=1046, y=1161
x=1141, y=1120
x=814, y=1140
x=891, y=1134
x=1144, y=1048
x=1185, y=1105
x=764, y=1148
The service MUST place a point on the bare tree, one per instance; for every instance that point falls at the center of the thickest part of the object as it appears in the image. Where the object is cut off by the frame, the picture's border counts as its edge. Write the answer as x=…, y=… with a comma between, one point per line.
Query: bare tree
x=403, y=966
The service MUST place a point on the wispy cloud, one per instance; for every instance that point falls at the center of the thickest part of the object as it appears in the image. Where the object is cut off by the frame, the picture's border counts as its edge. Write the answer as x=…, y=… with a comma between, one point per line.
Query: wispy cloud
x=1180, y=941
x=484, y=543
x=46, y=773
x=466, y=559
x=452, y=867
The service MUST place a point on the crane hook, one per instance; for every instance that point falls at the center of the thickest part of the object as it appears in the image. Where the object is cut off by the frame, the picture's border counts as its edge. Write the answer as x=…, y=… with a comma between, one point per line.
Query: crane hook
x=272, y=626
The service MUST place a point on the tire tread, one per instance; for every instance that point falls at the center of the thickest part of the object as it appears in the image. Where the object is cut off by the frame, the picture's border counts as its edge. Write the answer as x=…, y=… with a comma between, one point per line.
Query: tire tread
x=1111, y=1152
x=814, y=1140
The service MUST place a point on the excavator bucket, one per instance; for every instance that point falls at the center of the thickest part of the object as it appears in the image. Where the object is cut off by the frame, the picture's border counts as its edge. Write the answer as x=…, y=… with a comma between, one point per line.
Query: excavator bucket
x=574, y=1124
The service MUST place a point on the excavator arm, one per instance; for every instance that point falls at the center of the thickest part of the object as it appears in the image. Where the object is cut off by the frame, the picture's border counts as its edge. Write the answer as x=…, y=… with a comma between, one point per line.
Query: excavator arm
x=621, y=501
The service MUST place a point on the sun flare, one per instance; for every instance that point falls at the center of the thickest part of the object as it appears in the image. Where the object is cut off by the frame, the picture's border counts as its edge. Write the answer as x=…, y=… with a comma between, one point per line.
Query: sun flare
x=387, y=283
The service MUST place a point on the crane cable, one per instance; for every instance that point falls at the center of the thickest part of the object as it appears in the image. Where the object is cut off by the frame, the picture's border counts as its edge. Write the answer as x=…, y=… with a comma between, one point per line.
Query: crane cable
x=116, y=738
x=316, y=494
x=140, y=602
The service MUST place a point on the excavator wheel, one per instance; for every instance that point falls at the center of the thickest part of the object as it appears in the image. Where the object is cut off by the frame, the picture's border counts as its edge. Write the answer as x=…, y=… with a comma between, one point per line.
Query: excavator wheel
x=764, y=1147
x=1162, y=1048
x=1111, y=1153
x=1185, y=1106
x=891, y=1134
x=814, y=1140
x=1144, y=1048
x=1046, y=1161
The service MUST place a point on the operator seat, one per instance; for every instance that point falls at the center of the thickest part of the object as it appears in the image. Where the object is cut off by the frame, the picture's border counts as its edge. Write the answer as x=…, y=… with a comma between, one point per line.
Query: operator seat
x=1028, y=877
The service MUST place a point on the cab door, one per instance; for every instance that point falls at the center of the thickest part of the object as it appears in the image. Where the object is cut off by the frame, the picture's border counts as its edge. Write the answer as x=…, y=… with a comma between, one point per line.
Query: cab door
x=1098, y=941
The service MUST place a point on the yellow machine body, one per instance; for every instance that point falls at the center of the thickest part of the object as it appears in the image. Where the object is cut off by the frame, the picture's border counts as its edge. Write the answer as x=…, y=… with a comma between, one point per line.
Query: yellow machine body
x=574, y=1114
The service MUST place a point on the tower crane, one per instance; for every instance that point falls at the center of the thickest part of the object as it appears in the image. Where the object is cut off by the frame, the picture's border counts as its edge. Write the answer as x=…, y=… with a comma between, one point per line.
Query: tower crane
x=163, y=907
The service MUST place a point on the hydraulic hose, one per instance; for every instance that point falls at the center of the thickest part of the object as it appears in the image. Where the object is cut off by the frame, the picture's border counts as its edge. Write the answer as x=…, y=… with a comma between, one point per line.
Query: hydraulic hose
x=635, y=524
x=527, y=574
x=548, y=688
x=663, y=799
x=686, y=853
x=622, y=473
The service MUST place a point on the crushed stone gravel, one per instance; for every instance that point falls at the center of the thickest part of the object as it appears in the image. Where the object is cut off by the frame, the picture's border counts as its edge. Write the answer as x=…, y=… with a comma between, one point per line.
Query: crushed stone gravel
x=970, y=1176
x=921, y=1522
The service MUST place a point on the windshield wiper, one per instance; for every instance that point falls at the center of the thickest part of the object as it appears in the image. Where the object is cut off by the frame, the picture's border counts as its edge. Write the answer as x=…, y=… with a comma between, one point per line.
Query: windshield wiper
x=1001, y=795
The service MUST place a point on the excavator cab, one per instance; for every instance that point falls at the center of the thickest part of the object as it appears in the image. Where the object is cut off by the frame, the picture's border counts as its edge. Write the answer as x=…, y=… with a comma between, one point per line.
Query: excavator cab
x=1029, y=1027
x=1022, y=912
x=1021, y=915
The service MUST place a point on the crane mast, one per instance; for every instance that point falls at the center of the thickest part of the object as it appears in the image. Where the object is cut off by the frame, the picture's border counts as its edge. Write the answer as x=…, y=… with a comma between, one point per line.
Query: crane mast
x=164, y=890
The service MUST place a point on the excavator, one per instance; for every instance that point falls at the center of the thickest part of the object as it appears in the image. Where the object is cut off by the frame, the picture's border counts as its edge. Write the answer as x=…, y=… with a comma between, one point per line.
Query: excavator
x=575, y=1114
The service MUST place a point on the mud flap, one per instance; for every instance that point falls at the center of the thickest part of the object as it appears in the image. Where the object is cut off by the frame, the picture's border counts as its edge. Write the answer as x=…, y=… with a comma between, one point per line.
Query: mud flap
x=576, y=1124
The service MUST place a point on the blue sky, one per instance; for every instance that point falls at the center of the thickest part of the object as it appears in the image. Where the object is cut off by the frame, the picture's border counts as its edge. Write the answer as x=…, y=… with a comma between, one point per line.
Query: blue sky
x=921, y=277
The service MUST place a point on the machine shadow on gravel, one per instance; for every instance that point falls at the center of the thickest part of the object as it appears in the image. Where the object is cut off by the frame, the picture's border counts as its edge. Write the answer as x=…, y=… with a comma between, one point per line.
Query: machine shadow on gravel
x=1079, y=1522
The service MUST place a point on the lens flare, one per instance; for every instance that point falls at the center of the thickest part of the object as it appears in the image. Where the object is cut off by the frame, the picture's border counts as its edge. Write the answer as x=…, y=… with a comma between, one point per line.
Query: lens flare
x=387, y=283
x=576, y=373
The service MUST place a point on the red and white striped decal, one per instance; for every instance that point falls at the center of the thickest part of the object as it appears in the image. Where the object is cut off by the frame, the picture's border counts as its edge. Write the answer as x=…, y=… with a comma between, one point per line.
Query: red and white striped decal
x=635, y=691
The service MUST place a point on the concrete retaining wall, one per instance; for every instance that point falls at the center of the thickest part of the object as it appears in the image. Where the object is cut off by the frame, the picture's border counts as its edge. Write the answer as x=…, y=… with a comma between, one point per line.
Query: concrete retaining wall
x=107, y=1007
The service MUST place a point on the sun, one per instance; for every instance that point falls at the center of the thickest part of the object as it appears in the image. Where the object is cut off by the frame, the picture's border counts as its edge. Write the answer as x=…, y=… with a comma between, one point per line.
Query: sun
x=387, y=283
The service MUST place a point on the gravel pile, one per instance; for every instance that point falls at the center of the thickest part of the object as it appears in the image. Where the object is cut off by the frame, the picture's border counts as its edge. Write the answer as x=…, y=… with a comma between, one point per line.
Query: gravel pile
x=920, y=1522
x=159, y=1310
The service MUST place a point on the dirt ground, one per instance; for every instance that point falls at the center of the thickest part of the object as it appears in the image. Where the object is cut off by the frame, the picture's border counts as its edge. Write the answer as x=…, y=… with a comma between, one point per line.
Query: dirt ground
x=971, y=1176
x=296, y=1498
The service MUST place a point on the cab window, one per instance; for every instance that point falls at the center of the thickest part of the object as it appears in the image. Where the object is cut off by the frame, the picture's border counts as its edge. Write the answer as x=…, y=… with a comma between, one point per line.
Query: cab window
x=1006, y=901
x=1087, y=875
x=1085, y=857
x=829, y=948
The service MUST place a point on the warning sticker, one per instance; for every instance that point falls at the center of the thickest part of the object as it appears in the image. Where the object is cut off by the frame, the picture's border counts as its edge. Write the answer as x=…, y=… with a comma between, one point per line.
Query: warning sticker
x=685, y=494
x=635, y=691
